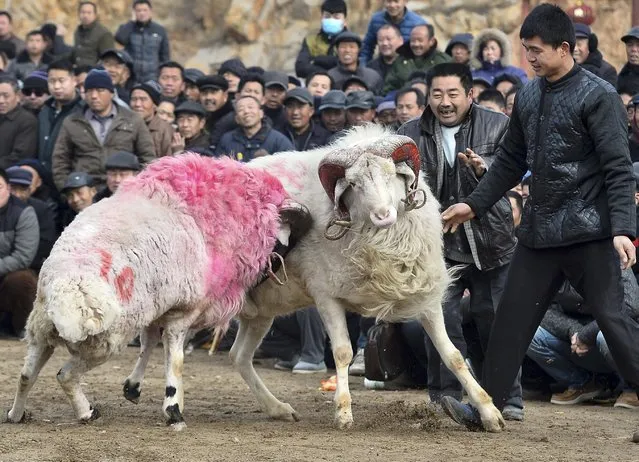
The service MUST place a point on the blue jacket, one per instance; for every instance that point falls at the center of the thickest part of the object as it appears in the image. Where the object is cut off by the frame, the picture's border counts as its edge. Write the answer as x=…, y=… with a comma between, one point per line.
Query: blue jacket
x=380, y=18
x=489, y=72
x=148, y=46
x=235, y=144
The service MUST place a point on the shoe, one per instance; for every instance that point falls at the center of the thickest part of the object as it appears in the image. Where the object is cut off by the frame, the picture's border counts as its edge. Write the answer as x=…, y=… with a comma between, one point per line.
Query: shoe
x=302, y=367
x=511, y=412
x=357, y=367
x=607, y=396
x=576, y=395
x=463, y=414
x=627, y=400
x=282, y=365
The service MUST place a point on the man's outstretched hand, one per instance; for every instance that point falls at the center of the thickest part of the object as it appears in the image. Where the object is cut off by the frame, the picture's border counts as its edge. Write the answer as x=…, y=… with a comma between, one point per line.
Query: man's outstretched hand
x=626, y=250
x=455, y=215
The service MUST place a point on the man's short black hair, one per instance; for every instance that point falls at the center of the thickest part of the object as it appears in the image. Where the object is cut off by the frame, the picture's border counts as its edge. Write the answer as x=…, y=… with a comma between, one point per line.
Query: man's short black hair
x=431, y=29
x=518, y=200
x=392, y=27
x=61, y=65
x=449, y=70
x=142, y=2
x=251, y=77
x=4, y=175
x=8, y=15
x=421, y=98
x=240, y=97
x=492, y=95
x=88, y=2
x=551, y=24
x=512, y=91
x=35, y=32
x=171, y=65
x=320, y=72
x=11, y=81
x=83, y=69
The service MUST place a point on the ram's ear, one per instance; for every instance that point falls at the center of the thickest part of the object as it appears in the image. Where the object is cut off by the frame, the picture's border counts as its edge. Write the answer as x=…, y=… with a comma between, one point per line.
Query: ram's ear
x=407, y=172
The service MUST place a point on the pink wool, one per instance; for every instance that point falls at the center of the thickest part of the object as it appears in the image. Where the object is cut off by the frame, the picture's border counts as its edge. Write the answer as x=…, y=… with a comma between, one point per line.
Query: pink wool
x=235, y=207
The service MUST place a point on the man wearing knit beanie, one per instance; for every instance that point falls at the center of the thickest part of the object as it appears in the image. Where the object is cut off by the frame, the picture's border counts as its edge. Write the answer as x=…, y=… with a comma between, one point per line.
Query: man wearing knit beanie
x=98, y=129
x=35, y=91
x=145, y=98
x=318, y=51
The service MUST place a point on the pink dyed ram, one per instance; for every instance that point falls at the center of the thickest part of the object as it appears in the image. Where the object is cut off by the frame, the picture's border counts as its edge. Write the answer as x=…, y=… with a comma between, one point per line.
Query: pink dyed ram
x=176, y=247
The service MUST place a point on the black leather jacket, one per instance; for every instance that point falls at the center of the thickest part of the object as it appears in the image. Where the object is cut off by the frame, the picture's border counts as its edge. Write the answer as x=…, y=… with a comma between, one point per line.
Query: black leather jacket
x=491, y=237
x=572, y=135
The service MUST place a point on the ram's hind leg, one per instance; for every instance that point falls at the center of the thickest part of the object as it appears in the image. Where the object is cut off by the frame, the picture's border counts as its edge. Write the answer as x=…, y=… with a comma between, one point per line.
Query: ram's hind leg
x=69, y=379
x=433, y=321
x=149, y=338
x=37, y=356
x=249, y=337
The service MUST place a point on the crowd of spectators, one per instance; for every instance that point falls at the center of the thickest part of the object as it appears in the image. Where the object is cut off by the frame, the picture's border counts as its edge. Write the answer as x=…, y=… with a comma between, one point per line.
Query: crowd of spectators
x=77, y=119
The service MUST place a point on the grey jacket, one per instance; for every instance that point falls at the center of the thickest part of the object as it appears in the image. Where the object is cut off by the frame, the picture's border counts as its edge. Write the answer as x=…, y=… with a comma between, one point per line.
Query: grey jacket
x=19, y=236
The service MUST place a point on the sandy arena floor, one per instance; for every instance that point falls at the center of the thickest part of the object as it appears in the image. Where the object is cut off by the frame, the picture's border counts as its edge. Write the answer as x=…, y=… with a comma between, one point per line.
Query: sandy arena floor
x=225, y=423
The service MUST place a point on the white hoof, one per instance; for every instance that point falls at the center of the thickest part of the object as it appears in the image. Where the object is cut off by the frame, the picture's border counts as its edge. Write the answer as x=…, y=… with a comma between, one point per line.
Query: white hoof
x=284, y=411
x=344, y=419
x=178, y=426
x=492, y=419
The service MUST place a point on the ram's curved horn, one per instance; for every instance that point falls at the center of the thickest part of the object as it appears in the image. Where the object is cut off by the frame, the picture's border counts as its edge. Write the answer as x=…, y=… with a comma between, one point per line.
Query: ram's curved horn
x=330, y=172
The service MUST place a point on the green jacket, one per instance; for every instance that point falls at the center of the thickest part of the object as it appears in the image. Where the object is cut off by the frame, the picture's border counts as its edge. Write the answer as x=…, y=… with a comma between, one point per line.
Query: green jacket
x=89, y=43
x=407, y=63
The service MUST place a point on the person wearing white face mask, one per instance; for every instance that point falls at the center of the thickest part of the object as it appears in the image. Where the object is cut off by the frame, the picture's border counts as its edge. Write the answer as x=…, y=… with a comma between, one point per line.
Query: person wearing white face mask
x=318, y=51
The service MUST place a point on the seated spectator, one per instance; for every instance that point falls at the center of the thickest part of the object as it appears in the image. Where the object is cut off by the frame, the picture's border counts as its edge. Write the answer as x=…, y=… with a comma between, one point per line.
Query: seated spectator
x=119, y=166
x=293, y=82
x=319, y=83
x=191, y=90
x=214, y=98
x=252, y=137
x=510, y=101
x=505, y=82
x=517, y=204
x=396, y=13
x=318, y=50
x=17, y=125
x=191, y=119
x=493, y=50
x=42, y=187
x=166, y=111
x=492, y=99
x=348, y=45
x=79, y=190
x=119, y=65
x=171, y=79
x=80, y=74
x=303, y=132
x=64, y=101
x=459, y=48
x=91, y=39
x=232, y=70
x=588, y=56
x=389, y=39
x=479, y=85
x=569, y=346
x=332, y=110
x=145, y=98
x=18, y=247
x=354, y=84
x=420, y=53
x=276, y=86
x=20, y=184
x=628, y=77
x=387, y=114
x=410, y=103
x=360, y=108
x=35, y=92
x=98, y=128
x=33, y=57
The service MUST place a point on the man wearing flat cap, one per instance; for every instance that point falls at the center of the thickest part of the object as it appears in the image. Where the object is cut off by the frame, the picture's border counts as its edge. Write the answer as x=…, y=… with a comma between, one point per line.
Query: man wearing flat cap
x=332, y=110
x=214, y=98
x=191, y=119
x=119, y=166
x=588, y=56
x=348, y=45
x=79, y=190
x=300, y=127
x=145, y=98
x=119, y=65
x=98, y=129
x=360, y=108
x=628, y=80
x=191, y=90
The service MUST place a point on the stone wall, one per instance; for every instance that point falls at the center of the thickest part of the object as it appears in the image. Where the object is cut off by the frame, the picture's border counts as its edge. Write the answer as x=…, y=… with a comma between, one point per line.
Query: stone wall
x=268, y=33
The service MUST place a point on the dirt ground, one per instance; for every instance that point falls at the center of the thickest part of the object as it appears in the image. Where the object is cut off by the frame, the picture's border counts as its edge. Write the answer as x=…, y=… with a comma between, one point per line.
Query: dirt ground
x=225, y=424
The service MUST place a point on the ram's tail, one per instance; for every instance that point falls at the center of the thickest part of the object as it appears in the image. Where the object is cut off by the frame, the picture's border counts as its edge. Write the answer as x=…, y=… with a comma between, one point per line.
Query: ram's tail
x=80, y=306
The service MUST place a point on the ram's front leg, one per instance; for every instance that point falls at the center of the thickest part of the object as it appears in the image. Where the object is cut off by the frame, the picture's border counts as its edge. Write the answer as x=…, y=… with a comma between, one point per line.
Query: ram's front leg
x=334, y=318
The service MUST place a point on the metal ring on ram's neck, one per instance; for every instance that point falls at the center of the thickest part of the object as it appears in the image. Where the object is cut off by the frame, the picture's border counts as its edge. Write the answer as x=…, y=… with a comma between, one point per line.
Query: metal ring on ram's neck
x=344, y=226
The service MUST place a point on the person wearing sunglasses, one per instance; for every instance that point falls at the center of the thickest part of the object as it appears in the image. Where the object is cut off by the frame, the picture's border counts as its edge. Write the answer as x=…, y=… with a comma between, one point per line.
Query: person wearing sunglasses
x=35, y=92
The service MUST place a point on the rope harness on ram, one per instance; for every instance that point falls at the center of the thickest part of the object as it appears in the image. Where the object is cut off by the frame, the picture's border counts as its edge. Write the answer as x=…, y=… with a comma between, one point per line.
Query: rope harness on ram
x=342, y=224
x=411, y=202
x=271, y=273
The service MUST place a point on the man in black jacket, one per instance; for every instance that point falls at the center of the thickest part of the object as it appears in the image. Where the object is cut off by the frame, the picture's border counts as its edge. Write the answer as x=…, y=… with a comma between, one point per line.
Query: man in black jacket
x=628, y=79
x=300, y=128
x=569, y=128
x=456, y=140
x=588, y=56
